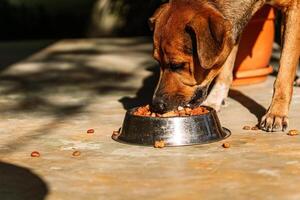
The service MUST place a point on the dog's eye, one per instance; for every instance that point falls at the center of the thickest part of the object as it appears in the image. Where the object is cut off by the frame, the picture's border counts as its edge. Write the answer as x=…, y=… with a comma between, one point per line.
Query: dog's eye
x=176, y=66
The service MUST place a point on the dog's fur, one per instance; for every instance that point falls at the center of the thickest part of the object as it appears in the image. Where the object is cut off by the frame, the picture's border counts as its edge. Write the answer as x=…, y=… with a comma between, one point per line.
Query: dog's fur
x=196, y=41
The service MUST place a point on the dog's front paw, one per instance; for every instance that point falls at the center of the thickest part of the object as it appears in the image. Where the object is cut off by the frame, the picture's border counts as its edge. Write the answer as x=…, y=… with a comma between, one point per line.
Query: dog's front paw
x=274, y=123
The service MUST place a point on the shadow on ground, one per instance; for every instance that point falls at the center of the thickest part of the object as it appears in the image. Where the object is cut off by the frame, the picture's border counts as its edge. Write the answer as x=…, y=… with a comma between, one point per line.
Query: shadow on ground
x=249, y=103
x=145, y=93
x=12, y=52
x=18, y=183
x=59, y=85
x=69, y=73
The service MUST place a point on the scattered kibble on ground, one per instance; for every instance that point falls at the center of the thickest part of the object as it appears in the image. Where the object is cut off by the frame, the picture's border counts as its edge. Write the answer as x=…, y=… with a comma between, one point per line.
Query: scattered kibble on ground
x=226, y=145
x=253, y=128
x=76, y=153
x=293, y=133
x=159, y=144
x=145, y=111
x=116, y=134
x=35, y=154
x=246, y=128
x=90, y=131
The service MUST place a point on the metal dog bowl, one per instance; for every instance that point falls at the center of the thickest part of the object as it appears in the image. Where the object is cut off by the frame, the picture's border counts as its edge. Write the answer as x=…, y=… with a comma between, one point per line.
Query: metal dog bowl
x=174, y=131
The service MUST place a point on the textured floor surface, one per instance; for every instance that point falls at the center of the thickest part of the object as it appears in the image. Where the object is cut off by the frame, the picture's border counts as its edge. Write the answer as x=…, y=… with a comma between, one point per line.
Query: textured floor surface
x=50, y=99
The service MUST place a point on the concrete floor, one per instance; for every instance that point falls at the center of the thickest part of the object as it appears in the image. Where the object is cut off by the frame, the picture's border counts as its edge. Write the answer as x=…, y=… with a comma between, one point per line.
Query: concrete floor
x=50, y=99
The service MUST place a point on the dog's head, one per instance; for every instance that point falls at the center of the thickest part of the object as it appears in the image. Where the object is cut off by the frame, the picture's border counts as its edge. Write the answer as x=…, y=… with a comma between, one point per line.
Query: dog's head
x=191, y=42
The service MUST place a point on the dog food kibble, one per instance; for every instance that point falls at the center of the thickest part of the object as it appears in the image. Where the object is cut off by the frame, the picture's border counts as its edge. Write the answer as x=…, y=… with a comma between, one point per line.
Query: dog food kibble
x=181, y=111
x=226, y=145
x=180, y=108
x=199, y=111
x=188, y=111
x=170, y=114
x=90, y=131
x=35, y=154
x=293, y=133
x=142, y=111
x=246, y=128
x=76, y=153
x=159, y=144
x=116, y=134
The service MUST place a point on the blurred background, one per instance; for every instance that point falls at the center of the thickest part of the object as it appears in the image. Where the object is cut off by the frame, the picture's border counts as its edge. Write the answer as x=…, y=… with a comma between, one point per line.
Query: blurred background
x=38, y=19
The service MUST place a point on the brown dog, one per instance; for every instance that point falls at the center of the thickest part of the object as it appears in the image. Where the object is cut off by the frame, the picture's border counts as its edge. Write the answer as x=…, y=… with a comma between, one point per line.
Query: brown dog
x=197, y=40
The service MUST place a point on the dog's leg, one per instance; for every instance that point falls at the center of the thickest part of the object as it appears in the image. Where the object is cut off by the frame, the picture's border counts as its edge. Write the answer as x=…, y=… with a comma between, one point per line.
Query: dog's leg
x=276, y=118
x=221, y=87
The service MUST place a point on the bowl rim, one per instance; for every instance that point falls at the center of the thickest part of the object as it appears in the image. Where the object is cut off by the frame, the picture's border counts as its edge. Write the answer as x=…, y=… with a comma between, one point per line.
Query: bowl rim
x=211, y=111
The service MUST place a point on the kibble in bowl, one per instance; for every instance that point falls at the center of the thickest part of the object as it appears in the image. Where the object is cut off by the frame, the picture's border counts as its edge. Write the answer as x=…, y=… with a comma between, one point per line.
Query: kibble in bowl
x=145, y=111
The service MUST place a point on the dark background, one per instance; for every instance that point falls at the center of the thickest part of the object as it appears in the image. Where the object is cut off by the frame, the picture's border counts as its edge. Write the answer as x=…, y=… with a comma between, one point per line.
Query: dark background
x=40, y=19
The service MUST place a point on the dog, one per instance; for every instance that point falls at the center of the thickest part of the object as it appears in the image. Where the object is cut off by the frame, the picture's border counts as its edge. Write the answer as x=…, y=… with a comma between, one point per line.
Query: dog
x=196, y=42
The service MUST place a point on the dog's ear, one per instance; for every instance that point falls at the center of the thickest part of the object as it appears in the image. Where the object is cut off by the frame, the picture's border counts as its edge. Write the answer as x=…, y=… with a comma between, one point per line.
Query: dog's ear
x=213, y=37
x=152, y=20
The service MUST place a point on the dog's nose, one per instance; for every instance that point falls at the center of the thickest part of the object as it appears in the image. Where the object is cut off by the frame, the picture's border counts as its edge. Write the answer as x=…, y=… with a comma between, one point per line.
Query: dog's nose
x=158, y=105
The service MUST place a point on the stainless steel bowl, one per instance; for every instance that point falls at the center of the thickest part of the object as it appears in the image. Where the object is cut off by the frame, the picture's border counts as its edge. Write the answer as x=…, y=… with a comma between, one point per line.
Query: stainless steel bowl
x=174, y=131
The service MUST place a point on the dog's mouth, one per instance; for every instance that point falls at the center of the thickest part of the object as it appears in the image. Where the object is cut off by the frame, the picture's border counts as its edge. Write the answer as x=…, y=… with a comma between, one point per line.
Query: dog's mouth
x=198, y=97
x=168, y=103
